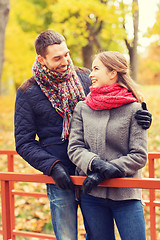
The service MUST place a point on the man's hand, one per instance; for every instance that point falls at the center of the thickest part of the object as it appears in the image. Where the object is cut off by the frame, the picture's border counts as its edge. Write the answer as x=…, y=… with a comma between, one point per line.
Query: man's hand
x=61, y=177
x=144, y=117
x=91, y=181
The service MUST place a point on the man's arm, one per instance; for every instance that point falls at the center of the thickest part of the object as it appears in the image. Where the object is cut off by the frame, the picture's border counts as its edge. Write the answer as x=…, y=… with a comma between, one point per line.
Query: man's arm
x=25, y=133
x=29, y=148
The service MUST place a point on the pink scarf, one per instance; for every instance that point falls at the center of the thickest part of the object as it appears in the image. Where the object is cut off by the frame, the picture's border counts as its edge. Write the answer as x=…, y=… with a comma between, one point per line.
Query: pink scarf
x=109, y=96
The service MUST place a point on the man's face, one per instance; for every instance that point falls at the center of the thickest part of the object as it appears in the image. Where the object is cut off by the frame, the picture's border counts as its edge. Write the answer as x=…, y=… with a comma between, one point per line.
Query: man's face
x=57, y=57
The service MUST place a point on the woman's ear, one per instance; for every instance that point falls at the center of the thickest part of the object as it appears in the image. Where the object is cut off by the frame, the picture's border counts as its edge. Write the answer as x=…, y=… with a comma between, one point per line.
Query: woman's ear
x=41, y=59
x=114, y=75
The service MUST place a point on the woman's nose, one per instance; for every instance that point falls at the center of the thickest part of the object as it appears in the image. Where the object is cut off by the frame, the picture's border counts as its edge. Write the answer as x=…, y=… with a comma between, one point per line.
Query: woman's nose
x=91, y=74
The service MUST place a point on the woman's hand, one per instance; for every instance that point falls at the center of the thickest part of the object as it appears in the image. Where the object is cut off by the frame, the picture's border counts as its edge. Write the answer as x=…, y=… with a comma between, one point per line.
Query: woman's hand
x=91, y=181
x=106, y=169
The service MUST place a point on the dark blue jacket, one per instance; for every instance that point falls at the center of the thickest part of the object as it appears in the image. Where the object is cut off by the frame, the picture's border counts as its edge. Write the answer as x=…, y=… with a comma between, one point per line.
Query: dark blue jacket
x=38, y=126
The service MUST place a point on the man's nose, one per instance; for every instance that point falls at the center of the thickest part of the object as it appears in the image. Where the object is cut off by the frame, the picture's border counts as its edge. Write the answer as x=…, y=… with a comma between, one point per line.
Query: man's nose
x=64, y=61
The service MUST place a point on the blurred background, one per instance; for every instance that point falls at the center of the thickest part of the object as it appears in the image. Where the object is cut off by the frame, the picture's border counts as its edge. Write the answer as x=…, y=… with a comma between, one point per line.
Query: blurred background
x=129, y=26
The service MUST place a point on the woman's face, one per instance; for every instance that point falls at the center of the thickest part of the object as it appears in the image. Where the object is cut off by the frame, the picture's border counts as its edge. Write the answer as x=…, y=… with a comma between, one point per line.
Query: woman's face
x=100, y=75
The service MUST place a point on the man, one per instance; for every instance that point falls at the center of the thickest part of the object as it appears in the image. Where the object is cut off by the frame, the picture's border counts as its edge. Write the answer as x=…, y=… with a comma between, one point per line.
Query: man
x=44, y=107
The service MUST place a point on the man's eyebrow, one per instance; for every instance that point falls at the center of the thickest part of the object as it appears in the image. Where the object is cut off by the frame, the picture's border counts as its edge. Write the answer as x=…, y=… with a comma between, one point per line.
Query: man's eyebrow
x=56, y=57
x=61, y=55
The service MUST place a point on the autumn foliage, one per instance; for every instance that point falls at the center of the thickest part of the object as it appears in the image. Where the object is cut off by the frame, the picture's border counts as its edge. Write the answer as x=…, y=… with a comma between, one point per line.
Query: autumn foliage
x=33, y=214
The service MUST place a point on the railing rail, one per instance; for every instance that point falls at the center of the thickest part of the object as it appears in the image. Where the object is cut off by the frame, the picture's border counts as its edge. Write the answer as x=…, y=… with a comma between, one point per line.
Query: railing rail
x=7, y=194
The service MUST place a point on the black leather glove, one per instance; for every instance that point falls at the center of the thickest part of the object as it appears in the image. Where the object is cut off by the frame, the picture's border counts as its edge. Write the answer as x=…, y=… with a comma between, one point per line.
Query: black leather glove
x=91, y=181
x=144, y=117
x=106, y=169
x=61, y=176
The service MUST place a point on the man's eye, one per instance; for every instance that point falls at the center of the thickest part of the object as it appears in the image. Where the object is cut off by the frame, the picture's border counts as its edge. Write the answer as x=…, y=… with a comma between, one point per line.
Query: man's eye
x=56, y=59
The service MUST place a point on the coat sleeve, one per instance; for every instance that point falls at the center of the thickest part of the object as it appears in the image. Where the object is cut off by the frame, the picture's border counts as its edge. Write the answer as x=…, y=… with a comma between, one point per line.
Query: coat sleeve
x=25, y=137
x=137, y=155
x=78, y=151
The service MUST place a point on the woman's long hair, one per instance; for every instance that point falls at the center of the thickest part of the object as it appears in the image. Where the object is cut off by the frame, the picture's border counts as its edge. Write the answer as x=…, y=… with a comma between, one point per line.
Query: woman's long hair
x=116, y=61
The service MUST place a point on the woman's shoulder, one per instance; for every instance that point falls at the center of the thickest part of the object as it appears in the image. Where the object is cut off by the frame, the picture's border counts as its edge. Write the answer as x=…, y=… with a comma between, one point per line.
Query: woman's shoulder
x=81, y=104
x=134, y=106
x=82, y=107
x=127, y=110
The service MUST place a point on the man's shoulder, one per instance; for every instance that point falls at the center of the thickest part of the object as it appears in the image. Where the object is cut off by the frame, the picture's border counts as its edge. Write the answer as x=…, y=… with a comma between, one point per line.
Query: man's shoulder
x=81, y=69
x=83, y=74
x=27, y=84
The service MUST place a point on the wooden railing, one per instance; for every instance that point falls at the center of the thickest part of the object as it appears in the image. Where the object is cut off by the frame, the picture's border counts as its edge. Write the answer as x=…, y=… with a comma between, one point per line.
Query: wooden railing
x=7, y=194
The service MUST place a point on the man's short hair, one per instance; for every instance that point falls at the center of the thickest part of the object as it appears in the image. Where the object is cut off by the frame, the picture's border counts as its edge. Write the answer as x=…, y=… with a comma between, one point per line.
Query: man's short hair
x=46, y=38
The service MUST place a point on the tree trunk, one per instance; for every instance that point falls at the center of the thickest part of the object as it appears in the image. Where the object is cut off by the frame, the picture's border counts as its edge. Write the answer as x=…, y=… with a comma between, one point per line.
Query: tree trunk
x=87, y=53
x=133, y=49
x=134, y=63
x=4, y=13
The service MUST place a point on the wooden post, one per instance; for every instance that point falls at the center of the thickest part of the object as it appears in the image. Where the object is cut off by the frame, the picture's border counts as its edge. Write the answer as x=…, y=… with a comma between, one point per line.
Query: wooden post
x=6, y=213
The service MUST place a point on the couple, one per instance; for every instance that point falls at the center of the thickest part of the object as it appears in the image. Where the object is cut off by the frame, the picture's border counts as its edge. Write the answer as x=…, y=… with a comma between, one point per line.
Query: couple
x=105, y=140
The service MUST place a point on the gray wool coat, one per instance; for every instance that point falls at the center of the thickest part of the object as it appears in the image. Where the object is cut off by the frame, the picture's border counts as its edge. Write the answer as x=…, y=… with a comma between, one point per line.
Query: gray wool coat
x=113, y=135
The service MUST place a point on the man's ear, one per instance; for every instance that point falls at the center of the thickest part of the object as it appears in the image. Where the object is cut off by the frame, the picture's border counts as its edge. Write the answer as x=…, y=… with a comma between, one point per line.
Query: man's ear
x=41, y=59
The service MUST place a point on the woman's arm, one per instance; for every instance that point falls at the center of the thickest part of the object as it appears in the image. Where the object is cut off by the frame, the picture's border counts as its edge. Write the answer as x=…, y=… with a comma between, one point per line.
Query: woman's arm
x=138, y=150
x=78, y=152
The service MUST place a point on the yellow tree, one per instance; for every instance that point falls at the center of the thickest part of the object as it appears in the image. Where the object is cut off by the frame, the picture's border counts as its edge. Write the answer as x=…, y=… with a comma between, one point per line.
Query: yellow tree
x=131, y=12
x=149, y=67
x=26, y=20
x=4, y=12
x=98, y=25
x=88, y=27
x=155, y=30
x=19, y=51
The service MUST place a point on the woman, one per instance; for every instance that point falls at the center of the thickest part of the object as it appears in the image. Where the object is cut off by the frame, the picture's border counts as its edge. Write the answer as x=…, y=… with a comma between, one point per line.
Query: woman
x=106, y=142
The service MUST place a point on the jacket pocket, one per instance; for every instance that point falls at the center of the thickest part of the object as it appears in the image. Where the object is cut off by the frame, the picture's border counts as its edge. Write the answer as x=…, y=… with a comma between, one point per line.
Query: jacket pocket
x=52, y=141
